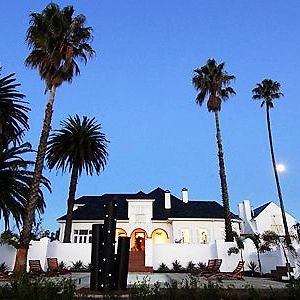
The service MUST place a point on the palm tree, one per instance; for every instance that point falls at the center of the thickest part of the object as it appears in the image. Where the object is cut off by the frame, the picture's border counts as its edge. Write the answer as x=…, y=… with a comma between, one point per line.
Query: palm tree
x=212, y=83
x=13, y=112
x=15, y=181
x=58, y=39
x=259, y=246
x=268, y=91
x=79, y=145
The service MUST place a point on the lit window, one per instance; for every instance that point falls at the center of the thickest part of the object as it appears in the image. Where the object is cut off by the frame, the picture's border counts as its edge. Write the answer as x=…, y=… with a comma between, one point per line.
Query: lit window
x=202, y=236
x=185, y=236
x=159, y=236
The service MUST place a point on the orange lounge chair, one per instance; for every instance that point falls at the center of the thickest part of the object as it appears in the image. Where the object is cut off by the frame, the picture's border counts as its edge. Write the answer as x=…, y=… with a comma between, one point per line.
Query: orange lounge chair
x=213, y=267
x=4, y=277
x=35, y=267
x=235, y=274
x=53, y=266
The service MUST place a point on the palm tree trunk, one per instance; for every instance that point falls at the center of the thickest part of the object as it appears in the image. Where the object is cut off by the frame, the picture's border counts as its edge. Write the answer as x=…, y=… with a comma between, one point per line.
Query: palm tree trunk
x=71, y=198
x=225, y=198
x=25, y=236
x=287, y=235
x=259, y=262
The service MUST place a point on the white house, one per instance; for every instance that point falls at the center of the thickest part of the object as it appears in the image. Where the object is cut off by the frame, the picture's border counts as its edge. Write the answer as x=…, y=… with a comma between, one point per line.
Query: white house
x=150, y=219
x=263, y=218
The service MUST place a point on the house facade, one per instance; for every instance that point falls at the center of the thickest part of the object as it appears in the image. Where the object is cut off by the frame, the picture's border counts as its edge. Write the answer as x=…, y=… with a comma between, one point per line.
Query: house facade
x=265, y=217
x=149, y=219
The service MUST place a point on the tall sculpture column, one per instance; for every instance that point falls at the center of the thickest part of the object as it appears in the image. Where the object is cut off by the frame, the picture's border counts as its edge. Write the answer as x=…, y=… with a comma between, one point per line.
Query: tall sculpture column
x=97, y=253
x=108, y=259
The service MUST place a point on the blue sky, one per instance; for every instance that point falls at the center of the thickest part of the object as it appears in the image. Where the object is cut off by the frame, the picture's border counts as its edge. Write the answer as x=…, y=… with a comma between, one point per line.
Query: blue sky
x=139, y=88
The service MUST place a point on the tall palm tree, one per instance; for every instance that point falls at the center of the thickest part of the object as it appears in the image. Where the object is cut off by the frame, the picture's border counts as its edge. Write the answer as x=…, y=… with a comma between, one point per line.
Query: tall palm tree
x=212, y=82
x=79, y=145
x=268, y=91
x=13, y=111
x=15, y=181
x=58, y=40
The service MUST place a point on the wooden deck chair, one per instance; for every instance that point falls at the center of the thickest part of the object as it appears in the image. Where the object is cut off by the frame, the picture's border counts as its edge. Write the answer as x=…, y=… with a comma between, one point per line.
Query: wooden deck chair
x=35, y=267
x=53, y=266
x=235, y=274
x=4, y=277
x=213, y=266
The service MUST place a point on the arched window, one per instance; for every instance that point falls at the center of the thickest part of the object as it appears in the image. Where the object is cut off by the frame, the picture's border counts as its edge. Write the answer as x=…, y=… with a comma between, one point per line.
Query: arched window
x=160, y=236
x=120, y=232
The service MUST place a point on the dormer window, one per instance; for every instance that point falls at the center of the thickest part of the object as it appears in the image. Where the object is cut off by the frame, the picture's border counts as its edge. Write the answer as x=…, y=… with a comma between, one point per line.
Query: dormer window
x=140, y=210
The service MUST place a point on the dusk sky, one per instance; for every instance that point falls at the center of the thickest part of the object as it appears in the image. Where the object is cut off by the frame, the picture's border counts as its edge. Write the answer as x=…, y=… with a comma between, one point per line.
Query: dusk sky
x=139, y=88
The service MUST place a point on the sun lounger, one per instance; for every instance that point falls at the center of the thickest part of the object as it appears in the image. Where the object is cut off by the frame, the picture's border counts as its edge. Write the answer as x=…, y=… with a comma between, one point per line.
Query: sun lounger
x=213, y=267
x=235, y=274
x=53, y=266
x=35, y=267
x=4, y=277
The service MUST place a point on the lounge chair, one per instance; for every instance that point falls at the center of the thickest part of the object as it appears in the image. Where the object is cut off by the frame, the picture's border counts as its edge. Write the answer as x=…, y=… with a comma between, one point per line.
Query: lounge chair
x=213, y=267
x=35, y=267
x=235, y=274
x=4, y=277
x=53, y=266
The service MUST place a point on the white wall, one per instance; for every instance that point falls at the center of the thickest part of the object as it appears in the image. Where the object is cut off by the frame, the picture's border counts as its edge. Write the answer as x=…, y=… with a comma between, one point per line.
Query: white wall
x=7, y=256
x=155, y=254
x=69, y=253
x=168, y=253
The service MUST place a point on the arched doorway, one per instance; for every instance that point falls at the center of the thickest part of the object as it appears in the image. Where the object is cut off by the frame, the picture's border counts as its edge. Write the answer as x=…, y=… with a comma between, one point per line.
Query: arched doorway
x=137, y=238
x=159, y=236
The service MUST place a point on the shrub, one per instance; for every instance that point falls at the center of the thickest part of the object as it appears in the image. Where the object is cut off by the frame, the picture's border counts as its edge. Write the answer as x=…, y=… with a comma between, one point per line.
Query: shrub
x=163, y=268
x=201, y=265
x=191, y=268
x=143, y=289
x=293, y=288
x=177, y=267
x=253, y=267
x=62, y=266
x=4, y=268
x=24, y=287
x=78, y=266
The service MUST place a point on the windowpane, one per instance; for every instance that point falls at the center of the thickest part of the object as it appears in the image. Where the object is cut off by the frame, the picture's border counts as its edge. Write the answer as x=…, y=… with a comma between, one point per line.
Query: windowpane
x=83, y=231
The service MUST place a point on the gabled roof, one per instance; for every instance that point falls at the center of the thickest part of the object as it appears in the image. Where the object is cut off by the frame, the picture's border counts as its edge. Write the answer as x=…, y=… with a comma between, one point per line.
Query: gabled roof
x=259, y=209
x=94, y=207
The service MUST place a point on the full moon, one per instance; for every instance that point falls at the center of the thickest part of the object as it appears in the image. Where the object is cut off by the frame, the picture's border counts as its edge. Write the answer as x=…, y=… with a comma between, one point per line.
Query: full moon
x=280, y=168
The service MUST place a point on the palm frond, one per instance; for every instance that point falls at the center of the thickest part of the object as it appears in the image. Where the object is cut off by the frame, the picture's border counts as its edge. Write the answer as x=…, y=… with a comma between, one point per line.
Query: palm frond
x=211, y=81
x=58, y=39
x=78, y=143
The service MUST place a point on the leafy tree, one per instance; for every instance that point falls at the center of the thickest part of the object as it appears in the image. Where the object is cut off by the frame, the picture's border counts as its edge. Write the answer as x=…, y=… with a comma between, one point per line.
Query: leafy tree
x=212, y=82
x=271, y=238
x=13, y=111
x=58, y=40
x=79, y=145
x=268, y=91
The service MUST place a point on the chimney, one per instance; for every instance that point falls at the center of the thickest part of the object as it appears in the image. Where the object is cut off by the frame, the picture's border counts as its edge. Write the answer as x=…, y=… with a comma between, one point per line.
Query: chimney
x=245, y=212
x=185, y=195
x=167, y=199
